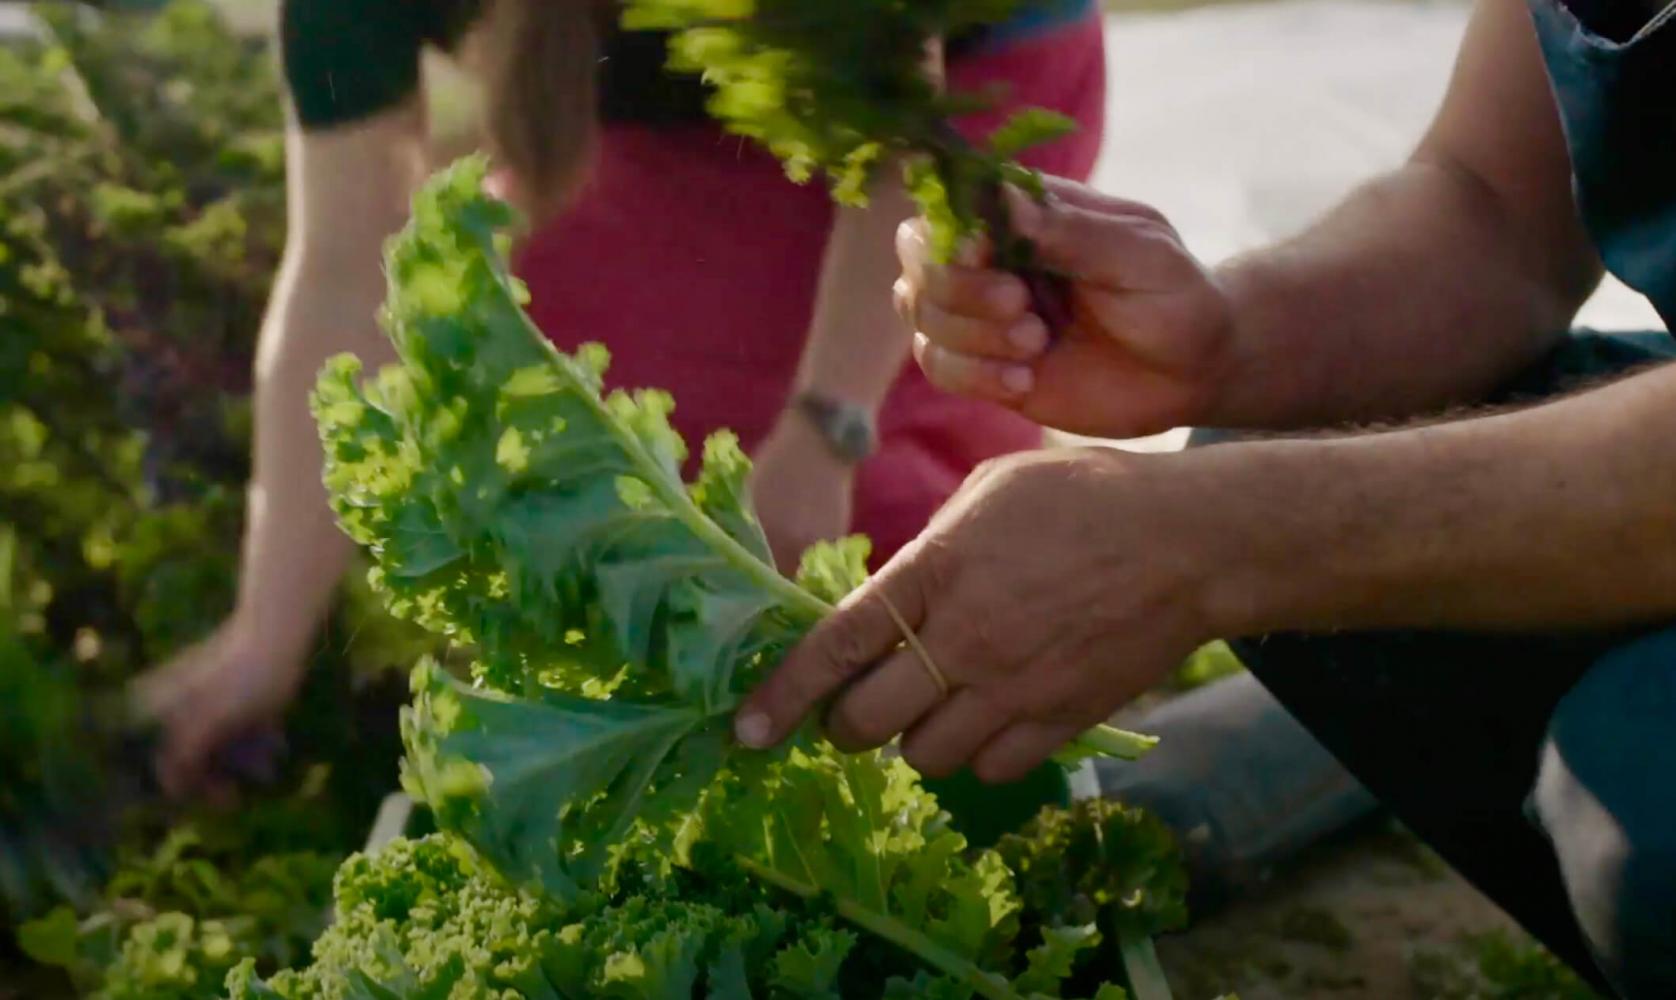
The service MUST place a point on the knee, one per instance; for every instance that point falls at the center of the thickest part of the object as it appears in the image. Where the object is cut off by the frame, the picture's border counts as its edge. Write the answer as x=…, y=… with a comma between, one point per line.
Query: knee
x=1604, y=796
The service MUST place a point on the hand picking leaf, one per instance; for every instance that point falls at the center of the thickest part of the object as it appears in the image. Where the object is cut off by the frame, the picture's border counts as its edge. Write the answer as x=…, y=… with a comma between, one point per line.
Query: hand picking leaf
x=617, y=616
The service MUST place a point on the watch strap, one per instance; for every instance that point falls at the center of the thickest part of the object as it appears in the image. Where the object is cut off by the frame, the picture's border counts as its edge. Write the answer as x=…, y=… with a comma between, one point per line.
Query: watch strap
x=846, y=428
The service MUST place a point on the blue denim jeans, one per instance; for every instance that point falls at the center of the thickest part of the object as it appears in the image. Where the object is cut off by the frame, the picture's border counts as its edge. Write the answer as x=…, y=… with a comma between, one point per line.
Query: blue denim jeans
x=1542, y=767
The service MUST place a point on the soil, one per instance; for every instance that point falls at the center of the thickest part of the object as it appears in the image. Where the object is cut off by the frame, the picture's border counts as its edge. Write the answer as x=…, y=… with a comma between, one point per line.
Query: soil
x=1376, y=917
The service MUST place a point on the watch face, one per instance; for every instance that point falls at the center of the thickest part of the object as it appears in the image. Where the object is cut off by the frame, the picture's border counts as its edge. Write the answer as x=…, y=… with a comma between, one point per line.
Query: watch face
x=848, y=430
x=853, y=437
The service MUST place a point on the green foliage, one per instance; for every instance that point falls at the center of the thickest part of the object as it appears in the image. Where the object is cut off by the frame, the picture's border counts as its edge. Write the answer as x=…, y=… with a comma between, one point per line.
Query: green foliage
x=1516, y=969
x=141, y=219
x=842, y=86
x=1496, y=966
x=429, y=918
x=1103, y=865
x=616, y=616
x=1207, y=665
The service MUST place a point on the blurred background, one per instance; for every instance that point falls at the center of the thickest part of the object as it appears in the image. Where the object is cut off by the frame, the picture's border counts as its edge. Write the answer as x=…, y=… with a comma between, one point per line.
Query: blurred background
x=141, y=216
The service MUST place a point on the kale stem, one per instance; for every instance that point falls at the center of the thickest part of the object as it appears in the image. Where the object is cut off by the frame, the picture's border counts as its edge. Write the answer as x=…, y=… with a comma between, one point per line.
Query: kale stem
x=1140, y=966
x=1109, y=741
x=674, y=495
x=884, y=926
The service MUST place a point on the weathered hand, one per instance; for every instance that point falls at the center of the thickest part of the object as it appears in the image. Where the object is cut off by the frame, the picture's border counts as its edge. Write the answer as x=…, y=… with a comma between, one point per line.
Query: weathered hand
x=1150, y=342
x=802, y=491
x=1052, y=589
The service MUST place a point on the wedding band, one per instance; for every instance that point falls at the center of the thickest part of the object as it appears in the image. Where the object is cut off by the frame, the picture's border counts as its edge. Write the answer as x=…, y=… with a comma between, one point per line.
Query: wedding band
x=932, y=671
x=920, y=652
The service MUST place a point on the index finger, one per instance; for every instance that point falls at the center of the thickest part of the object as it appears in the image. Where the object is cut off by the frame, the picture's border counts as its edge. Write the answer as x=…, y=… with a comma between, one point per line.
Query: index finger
x=841, y=648
x=963, y=288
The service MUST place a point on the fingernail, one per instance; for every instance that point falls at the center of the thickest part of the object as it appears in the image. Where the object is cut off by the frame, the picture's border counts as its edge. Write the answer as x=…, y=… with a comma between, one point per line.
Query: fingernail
x=753, y=729
x=1029, y=335
x=1017, y=379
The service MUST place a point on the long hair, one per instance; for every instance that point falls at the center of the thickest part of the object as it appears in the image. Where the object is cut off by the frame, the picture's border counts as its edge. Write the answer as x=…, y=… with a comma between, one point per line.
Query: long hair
x=540, y=70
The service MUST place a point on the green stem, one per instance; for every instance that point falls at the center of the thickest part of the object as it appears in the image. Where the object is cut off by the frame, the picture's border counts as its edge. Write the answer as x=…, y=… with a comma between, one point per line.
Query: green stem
x=888, y=928
x=1109, y=741
x=1140, y=965
x=680, y=503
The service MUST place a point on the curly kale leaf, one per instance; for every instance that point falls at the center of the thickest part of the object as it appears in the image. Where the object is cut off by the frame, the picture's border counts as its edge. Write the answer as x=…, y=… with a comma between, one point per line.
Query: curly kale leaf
x=1105, y=865
x=843, y=88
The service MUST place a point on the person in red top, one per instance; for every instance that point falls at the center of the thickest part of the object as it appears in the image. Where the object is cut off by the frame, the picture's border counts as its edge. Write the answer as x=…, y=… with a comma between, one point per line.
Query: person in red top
x=759, y=305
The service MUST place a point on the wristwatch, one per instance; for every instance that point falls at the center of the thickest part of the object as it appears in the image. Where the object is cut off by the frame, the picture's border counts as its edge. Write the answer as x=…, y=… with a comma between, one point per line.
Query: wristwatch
x=846, y=428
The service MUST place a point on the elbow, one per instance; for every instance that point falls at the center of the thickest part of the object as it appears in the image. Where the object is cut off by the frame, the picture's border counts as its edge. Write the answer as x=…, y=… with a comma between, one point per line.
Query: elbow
x=1532, y=241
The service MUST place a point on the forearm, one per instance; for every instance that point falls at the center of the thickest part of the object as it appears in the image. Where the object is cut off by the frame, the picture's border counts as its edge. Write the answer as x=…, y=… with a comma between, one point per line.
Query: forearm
x=857, y=344
x=1410, y=298
x=347, y=190
x=294, y=553
x=1430, y=286
x=1553, y=517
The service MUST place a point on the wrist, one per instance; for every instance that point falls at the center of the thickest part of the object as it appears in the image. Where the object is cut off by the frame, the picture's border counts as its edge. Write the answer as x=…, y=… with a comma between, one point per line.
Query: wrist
x=843, y=431
x=1247, y=388
x=1267, y=538
x=259, y=635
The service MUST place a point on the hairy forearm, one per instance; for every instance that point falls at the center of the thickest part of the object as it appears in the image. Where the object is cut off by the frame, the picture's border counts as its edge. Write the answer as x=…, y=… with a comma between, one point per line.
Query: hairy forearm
x=1413, y=296
x=856, y=343
x=1430, y=286
x=1557, y=516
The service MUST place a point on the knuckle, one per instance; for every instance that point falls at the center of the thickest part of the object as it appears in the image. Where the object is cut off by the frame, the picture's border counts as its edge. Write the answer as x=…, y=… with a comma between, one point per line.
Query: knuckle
x=993, y=769
x=938, y=571
x=1147, y=212
x=927, y=763
x=827, y=664
x=844, y=653
x=854, y=731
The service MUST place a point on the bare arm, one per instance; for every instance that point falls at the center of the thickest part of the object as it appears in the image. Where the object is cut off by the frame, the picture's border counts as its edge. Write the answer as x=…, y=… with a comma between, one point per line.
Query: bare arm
x=855, y=349
x=1558, y=516
x=347, y=190
x=1058, y=585
x=1429, y=286
x=857, y=344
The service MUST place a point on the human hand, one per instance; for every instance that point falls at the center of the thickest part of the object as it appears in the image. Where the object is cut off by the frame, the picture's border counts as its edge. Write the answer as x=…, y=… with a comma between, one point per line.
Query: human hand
x=225, y=691
x=1150, y=342
x=801, y=490
x=1053, y=588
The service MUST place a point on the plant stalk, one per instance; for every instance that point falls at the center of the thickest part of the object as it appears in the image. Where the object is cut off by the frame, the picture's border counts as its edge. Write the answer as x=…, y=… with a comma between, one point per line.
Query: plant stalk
x=884, y=926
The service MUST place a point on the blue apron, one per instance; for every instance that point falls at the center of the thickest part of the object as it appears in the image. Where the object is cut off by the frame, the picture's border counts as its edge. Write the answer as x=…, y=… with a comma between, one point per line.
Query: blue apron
x=1613, y=73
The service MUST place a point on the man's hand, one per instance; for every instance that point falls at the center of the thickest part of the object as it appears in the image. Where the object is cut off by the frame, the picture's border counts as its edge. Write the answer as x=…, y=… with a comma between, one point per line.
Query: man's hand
x=801, y=490
x=1053, y=588
x=1150, y=343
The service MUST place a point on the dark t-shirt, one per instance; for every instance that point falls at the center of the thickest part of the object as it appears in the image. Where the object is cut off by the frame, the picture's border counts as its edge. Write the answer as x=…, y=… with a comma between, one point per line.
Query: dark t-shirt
x=347, y=59
x=1615, y=20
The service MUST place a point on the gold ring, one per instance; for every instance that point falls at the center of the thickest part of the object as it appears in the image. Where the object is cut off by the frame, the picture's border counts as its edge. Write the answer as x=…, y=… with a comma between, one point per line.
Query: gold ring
x=920, y=652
